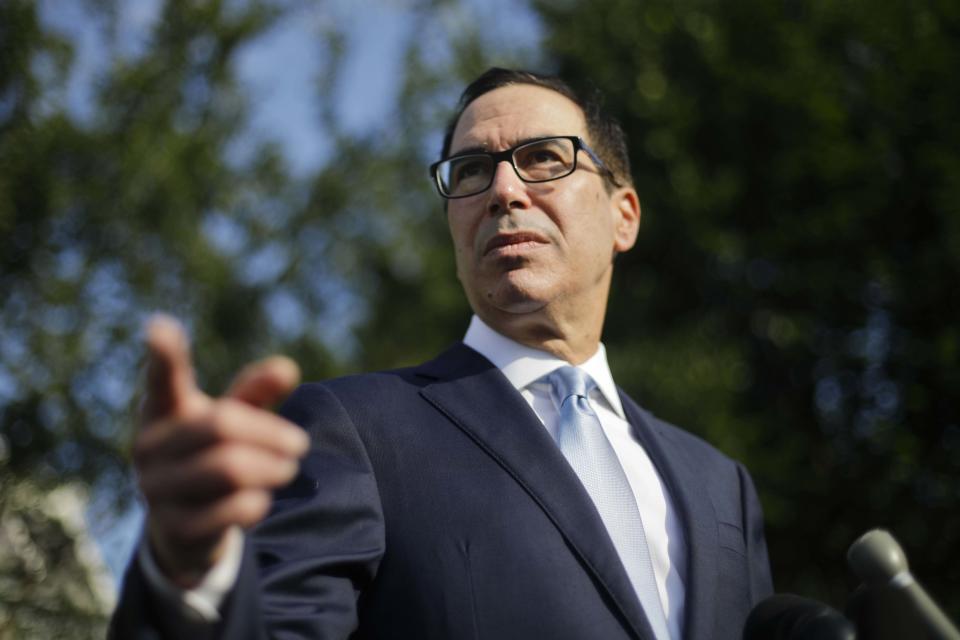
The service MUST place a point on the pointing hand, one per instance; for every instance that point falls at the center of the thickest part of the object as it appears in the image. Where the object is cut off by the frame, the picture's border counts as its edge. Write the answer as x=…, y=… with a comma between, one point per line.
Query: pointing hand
x=208, y=464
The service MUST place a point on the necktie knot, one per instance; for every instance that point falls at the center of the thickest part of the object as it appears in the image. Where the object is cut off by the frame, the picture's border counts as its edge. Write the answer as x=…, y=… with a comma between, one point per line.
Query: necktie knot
x=570, y=381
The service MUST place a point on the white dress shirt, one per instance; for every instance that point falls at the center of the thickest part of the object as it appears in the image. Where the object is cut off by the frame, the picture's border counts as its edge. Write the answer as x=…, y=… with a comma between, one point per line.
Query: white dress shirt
x=525, y=368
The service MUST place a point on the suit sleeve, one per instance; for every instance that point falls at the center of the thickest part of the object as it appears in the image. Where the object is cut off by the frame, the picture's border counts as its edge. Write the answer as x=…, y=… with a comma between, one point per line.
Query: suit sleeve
x=306, y=564
x=761, y=583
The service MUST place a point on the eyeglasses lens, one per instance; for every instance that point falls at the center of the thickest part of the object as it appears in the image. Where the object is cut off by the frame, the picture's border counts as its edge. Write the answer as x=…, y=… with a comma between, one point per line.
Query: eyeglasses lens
x=466, y=175
x=544, y=160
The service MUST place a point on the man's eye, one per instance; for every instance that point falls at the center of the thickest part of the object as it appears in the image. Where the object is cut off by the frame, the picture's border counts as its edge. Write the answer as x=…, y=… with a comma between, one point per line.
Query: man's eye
x=539, y=157
x=468, y=169
x=542, y=156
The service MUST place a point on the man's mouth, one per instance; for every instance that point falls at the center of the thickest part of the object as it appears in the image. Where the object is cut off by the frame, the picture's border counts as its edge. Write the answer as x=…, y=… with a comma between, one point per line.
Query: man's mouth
x=507, y=243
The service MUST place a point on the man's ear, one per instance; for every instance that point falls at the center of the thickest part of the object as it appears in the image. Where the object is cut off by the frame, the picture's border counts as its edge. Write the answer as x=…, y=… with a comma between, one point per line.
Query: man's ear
x=625, y=208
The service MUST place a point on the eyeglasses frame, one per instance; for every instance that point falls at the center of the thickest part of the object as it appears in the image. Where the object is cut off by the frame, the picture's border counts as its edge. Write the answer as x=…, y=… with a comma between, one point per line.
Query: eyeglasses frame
x=507, y=156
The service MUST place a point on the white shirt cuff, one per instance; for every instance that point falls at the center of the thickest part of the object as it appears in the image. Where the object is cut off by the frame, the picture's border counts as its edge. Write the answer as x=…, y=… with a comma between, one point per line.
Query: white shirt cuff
x=201, y=603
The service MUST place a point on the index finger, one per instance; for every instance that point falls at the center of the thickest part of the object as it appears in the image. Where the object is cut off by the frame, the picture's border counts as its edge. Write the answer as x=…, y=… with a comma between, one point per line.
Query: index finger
x=170, y=377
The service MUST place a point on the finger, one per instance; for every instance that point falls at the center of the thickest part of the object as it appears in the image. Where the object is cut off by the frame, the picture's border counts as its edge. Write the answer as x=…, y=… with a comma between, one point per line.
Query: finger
x=225, y=421
x=187, y=525
x=216, y=473
x=264, y=383
x=170, y=379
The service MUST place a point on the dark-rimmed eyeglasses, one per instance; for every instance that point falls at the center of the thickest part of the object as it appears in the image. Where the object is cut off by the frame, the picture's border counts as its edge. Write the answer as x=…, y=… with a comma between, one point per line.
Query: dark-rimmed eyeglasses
x=540, y=160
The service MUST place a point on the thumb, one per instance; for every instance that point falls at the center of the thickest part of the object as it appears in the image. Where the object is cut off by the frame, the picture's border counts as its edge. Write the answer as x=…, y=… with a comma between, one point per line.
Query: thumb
x=264, y=383
x=170, y=379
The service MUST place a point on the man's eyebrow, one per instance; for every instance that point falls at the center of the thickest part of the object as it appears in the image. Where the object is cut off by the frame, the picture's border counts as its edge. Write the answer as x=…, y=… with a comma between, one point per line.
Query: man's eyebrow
x=480, y=148
x=469, y=150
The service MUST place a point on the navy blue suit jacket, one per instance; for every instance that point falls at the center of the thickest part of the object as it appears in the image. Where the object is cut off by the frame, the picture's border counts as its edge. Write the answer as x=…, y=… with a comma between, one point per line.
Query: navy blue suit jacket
x=434, y=504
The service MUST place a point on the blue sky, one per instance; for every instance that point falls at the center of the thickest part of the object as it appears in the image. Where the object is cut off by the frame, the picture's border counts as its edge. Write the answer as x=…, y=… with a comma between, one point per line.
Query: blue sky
x=280, y=90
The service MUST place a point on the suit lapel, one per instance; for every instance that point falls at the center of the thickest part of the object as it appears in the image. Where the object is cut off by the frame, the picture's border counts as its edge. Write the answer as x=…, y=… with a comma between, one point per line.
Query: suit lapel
x=479, y=400
x=689, y=491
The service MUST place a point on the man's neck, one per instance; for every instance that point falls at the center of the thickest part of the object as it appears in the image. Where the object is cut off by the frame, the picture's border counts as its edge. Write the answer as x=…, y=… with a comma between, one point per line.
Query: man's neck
x=574, y=342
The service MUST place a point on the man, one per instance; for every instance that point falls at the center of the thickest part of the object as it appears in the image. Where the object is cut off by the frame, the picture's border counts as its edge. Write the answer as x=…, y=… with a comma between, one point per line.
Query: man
x=494, y=492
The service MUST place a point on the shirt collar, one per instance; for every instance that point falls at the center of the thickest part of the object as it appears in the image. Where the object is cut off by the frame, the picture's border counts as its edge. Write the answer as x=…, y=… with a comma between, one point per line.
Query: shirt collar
x=523, y=365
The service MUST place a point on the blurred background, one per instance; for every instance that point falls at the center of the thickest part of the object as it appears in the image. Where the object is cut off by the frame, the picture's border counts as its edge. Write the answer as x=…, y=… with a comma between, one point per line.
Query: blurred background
x=258, y=168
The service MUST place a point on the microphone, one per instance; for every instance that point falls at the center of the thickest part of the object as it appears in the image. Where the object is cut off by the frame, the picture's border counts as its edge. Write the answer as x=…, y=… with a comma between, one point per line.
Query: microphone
x=789, y=617
x=878, y=561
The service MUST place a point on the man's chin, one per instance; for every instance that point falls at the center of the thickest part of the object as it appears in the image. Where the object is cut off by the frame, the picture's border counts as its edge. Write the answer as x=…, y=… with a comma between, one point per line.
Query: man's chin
x=513, y=293
x=515, y=300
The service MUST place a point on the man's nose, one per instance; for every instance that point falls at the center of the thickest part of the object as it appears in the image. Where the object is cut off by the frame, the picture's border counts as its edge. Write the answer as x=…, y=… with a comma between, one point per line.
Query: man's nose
x=507, y=191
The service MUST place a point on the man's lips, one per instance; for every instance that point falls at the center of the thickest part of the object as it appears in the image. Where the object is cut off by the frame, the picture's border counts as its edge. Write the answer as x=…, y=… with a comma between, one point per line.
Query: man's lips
x=502, y=242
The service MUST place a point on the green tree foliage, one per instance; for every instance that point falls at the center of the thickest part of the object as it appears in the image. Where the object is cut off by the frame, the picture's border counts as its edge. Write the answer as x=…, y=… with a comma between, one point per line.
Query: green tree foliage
x=101, y=222
x=793, y=297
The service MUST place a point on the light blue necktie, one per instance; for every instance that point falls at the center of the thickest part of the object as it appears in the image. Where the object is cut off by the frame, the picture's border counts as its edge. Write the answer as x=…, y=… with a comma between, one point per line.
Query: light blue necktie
x=591, y=455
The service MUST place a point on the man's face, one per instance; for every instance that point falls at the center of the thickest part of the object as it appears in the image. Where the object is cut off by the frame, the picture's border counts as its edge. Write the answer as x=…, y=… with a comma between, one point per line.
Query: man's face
x=522, y=248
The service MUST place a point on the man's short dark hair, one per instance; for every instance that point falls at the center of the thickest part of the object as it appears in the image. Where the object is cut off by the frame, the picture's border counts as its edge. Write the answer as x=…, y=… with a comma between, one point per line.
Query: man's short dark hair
x=606, y=134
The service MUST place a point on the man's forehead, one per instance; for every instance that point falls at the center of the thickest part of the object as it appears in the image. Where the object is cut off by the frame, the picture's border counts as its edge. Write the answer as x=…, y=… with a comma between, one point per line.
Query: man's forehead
x=509, y=115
